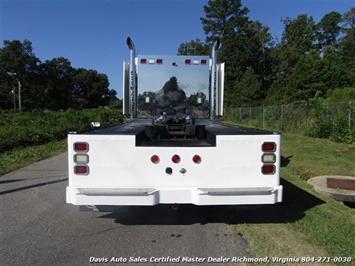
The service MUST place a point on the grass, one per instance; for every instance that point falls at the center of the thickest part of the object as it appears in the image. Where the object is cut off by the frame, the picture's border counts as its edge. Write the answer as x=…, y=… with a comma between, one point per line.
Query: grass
x=306, y=223
x=311, y=157
x=21, y=157
x=30, y=136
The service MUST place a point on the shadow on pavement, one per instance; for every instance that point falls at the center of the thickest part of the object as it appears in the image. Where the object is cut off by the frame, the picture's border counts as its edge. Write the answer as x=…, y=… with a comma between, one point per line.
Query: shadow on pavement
x=30, y=186
x=296, y=202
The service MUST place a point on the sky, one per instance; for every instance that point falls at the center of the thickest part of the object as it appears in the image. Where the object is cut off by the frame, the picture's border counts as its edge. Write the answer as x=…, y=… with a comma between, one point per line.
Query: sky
x=92, y=33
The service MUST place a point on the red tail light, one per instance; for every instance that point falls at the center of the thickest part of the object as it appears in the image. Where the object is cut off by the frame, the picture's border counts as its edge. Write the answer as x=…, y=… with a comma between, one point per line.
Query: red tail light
x=155, y=159
x=159, y=61
x=268, y=169
x=81, y=169
x=143, y=61
x=175, y=158
x=203, y=62
x=196, y=159
x=81, y=146
x=269, y=146
x=187, y=61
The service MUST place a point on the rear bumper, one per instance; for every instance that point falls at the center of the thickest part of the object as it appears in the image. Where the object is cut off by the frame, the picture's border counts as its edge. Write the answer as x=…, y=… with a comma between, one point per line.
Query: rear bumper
x=154, y=196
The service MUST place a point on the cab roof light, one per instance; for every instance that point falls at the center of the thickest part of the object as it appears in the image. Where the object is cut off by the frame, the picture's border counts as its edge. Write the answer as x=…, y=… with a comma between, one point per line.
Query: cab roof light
x=268, y=146
x=81, y=146
x=176, y=158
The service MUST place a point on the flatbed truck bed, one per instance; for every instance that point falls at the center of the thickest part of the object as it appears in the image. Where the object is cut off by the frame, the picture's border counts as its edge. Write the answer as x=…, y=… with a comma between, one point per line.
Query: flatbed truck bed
x=172, y=149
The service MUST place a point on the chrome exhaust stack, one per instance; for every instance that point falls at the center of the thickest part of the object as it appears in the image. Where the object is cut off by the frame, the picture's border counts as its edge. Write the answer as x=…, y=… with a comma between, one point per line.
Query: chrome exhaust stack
x=213, y=85
x=132, y=78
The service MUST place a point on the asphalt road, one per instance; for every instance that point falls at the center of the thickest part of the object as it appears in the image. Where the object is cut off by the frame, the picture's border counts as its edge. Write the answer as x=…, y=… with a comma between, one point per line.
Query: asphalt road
x=39, y=228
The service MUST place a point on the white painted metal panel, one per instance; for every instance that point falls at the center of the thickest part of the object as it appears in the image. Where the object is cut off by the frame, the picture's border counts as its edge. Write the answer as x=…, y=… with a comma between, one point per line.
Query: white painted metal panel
x=116, y=164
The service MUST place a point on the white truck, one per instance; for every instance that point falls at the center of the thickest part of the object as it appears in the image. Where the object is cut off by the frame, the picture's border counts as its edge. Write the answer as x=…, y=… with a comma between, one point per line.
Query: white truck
x=172, y=149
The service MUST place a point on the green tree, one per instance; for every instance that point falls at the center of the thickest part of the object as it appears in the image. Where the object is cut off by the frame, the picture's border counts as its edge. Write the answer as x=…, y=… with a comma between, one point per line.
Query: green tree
x=328, y=30
x=246, y=91
x=223, y=18
x=18, y=60
x=348, y=18
x=341, y=94
x=58, y=77
x=302, y=84
x=307, y=78
x=259, y=51
x=347, y=45
x=194, y=47
x=297, y=40
x=334, y=74
x=91, y=85
x=245, y=47
x=8, y=87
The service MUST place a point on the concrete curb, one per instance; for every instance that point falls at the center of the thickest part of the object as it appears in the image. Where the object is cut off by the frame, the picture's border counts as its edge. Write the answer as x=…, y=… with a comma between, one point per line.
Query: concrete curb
x=320, y=184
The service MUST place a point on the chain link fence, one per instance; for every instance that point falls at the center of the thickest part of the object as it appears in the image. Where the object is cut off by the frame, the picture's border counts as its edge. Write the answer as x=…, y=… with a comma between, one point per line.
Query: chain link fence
x=320, y=119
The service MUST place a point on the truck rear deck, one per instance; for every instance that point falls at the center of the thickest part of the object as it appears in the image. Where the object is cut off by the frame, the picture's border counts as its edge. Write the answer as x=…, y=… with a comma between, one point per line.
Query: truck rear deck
x=234, y=168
